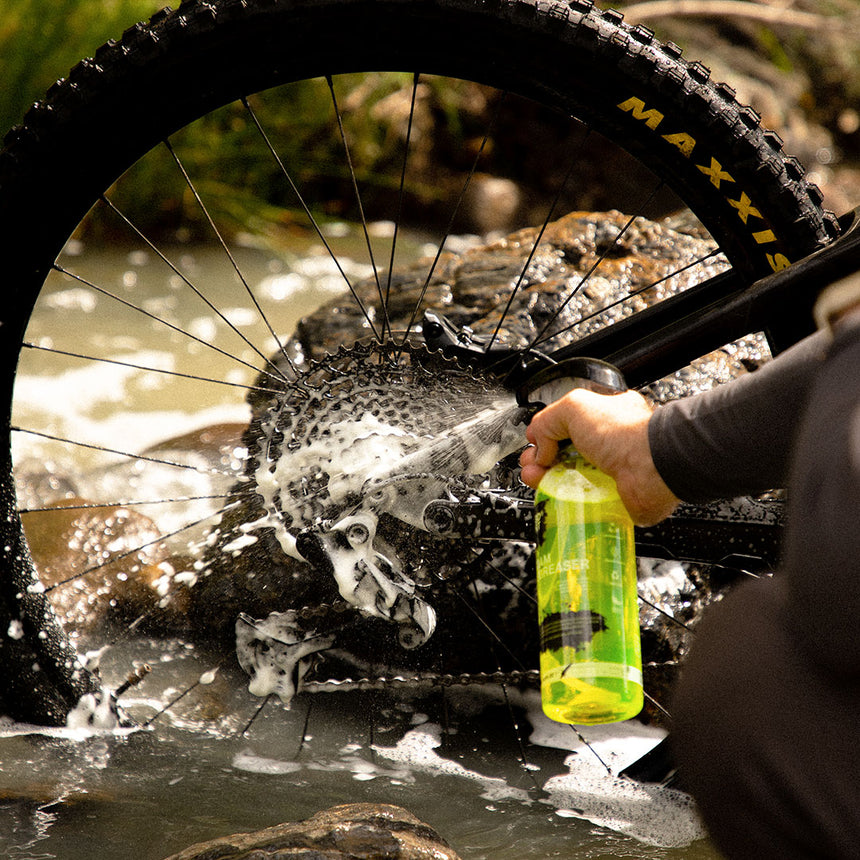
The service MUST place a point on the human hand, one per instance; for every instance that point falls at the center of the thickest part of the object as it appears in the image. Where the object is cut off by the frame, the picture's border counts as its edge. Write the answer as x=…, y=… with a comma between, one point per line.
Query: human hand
x=611, y=432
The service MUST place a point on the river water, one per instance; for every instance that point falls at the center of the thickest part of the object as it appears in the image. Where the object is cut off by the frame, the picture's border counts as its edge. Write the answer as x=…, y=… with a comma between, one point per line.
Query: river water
x=215, y=764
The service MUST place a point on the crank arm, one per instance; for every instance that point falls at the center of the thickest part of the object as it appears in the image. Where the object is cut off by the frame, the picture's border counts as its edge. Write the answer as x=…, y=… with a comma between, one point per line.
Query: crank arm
x=740, y=533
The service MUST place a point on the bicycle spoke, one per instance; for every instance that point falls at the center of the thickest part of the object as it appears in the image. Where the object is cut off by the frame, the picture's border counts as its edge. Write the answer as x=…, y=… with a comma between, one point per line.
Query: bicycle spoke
x=197, y=292
x=400, y=197
x=508, y=580
x=524, y=762
x=644, y=289
x=518, y=736
x=125, y=454
x=668, y=615
x=310, y=216
x=495, y=638
x=246, y=728
x=305, y=736
x=181, y=695
x=453, y=218
x=657, y=705
x=149, y=369
x=542, y=336
x=362, y=216
x=137, y=503
x=535, y=244
x=146, y=545
x=228, y=253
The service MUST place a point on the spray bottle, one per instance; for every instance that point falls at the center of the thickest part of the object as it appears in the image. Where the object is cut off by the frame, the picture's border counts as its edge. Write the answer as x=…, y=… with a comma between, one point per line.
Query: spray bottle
x=590, y=657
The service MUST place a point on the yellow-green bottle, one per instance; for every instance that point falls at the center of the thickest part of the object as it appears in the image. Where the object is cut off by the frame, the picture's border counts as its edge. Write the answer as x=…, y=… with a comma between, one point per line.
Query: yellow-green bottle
x=590, y=658
x=588, y=609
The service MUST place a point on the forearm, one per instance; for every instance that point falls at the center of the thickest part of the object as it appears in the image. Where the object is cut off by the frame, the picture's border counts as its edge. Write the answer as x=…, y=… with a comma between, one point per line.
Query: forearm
x=737, y=438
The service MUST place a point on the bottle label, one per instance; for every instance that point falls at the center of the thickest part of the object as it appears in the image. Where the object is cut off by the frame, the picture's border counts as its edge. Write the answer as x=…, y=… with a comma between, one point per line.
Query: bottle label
x=593, y=671
x=587, y=602
x=570, y=629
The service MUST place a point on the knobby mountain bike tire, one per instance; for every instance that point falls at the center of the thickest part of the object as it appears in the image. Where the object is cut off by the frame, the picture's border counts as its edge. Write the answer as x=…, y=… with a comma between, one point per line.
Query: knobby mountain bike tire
x=618, y=82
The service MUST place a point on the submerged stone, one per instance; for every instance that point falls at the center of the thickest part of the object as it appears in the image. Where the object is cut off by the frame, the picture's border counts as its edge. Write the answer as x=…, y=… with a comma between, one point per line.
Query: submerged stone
x=354, y=831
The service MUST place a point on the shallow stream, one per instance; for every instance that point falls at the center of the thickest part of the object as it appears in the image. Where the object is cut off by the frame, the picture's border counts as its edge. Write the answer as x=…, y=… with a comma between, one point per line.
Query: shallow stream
x=217, y=763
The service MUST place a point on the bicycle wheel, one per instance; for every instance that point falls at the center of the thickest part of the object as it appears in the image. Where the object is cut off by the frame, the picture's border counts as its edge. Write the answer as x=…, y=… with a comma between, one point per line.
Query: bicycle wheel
x=471, y=84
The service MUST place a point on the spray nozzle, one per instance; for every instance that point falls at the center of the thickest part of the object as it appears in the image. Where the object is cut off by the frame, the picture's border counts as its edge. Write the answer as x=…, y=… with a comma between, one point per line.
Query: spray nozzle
x=552, y=382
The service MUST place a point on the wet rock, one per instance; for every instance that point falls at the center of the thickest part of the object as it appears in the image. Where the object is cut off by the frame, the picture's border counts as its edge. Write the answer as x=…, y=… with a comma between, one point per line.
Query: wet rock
x=108, y=565
x=352, y=832
x=471, y=287
x=100, y=565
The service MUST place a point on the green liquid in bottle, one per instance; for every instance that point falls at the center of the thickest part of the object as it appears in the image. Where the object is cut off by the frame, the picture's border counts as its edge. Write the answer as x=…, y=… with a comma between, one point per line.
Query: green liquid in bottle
x=590, y=659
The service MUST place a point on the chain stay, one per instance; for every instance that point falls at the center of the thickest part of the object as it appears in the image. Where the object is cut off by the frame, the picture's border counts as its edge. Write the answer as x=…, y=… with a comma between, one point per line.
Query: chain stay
x=744, y=531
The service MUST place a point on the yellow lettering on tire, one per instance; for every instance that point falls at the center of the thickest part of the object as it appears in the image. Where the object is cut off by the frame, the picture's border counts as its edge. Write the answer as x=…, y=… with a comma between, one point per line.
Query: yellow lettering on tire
x=778, y=261
x=745, y=209
x=651, y=117
x=715, y=173
x=683, y=141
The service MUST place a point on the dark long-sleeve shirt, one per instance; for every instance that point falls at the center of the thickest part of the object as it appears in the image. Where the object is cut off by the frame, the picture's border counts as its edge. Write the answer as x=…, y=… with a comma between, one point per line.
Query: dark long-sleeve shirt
x=736, y=439
x=794, y=422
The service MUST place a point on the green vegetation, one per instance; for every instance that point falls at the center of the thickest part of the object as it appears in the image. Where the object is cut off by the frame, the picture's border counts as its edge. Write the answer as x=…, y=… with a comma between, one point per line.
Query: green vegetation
x=40, y=40
x=244, y=188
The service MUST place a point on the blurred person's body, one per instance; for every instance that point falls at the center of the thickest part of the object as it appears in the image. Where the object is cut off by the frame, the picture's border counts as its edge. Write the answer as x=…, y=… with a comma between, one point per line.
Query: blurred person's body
x=766, y=719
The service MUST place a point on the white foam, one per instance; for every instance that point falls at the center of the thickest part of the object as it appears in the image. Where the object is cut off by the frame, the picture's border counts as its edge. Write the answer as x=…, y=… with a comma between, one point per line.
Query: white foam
x=271, y=651
x=11, y=729
x=417, y=749
x=253, y=763
x=93, y=710
x=650, y=813
x=618, y=744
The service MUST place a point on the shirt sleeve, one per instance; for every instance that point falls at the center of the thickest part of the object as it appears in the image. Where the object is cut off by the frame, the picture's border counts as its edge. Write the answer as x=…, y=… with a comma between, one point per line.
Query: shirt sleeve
x=737, y=438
